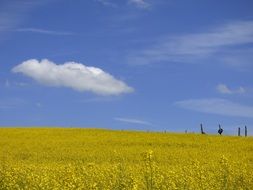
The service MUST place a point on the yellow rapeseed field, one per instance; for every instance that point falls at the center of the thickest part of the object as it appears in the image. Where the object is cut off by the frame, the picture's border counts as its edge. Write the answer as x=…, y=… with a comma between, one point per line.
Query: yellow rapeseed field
x=58, y=158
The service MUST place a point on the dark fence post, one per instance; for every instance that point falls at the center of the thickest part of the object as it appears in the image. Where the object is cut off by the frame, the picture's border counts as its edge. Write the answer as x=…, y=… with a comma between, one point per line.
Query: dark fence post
x=239, y=131
x=201, y=129
x=246, y=131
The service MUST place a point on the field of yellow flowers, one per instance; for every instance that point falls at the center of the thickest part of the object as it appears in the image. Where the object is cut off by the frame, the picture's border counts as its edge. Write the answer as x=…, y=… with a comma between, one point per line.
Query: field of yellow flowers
x=58, y=158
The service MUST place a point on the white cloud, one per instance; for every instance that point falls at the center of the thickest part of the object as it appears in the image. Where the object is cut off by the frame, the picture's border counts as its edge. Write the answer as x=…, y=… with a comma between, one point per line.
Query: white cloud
x=38, y=104
x=240, y=90
x=106, y=3
x=239, y=57
x=11, y=103
x=133, y=121
x=43, y=31
x=72, y=75
x=224, y=89
x=143, y=4
x=218, y=43
x=7, y=84
x=20, y=84
x=140, y=3
x=12, y=13
x=100, y=99
x=217, y=106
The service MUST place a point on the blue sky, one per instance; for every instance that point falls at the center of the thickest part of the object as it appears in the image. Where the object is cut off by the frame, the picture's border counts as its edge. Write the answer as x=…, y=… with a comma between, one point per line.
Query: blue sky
x=127, y=64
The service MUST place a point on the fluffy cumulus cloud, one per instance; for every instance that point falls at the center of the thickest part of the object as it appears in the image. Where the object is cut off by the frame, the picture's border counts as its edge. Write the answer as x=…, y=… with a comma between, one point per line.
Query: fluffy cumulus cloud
x=224, y=89
x=72, y=75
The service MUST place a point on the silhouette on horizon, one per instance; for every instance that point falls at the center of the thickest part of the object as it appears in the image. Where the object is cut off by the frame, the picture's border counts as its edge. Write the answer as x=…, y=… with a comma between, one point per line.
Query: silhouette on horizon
x=220, y=131
x=202, y=130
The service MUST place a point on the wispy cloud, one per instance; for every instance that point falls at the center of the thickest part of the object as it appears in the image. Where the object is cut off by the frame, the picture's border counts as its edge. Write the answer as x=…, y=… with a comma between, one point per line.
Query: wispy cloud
x=133, y=121
x=73, y=75
x=101, y=99
x=43, y=31
x=38, y=104
x=12, y=13
x=140, y=3
x=10, y=103
x=217, y=106
x=7, y=84
x=106, y=3
x=224, y=89
x=218, y=43
x=21, y=84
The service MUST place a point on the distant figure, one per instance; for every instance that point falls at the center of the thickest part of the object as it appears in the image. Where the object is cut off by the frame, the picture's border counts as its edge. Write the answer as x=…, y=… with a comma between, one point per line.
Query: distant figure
x=220, y=131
